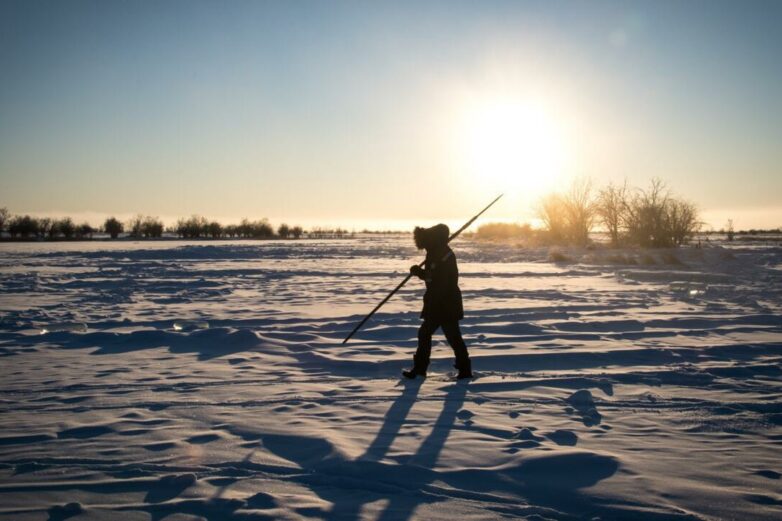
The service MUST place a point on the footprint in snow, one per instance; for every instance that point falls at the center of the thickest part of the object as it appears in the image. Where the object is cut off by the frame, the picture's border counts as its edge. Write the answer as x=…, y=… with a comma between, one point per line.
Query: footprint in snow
x=62, y=512
x=583, y=403
x=770, y=474
x=84, y=432
x=203, y=438
x=563, y=437
x=169, y=487
x=527, y=439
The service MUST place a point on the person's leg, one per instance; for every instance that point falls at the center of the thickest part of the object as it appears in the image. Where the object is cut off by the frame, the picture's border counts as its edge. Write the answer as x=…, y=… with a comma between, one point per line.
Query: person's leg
x=424, y=351
x=454, y=336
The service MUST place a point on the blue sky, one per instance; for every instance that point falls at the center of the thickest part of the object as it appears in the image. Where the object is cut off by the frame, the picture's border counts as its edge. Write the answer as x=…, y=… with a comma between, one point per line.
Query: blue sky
x=356, y=112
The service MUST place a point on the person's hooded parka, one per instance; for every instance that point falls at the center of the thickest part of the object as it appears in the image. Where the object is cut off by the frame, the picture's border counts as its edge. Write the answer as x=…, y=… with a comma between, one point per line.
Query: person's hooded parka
x=443, y=299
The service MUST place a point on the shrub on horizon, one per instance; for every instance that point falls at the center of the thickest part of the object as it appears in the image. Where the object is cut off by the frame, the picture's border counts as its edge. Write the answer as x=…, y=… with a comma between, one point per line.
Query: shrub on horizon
x=230, y=230
x=261, y=229
x=84, y=231
x=134, y=226
x=64, y=227
x=194, y=227
x=215, y=230
x=146, y=227
x=283, y=231
x=729, y=230
x=152, y=227
x=113, y=227
x=559, y=257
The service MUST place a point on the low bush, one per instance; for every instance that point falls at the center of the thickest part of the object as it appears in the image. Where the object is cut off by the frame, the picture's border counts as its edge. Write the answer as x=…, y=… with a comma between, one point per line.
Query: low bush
x=648, y=260
x=559, y=257
x=504, y=231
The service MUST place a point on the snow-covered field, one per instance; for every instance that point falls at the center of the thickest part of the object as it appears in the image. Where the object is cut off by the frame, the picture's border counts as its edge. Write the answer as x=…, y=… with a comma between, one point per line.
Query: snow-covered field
x=176, y=381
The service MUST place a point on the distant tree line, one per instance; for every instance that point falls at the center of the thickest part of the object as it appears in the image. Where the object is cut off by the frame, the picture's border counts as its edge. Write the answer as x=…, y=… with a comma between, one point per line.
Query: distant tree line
x=648, y=217
x=328, y=233
x=27, y=227
x=196, y=227
x=367, y=231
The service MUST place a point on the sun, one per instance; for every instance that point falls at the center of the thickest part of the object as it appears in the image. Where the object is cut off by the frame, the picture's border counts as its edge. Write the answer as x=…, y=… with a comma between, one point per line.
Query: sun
x=514, y=145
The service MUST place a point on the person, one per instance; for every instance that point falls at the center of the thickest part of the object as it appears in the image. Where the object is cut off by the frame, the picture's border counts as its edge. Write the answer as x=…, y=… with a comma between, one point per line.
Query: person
x=443, y=306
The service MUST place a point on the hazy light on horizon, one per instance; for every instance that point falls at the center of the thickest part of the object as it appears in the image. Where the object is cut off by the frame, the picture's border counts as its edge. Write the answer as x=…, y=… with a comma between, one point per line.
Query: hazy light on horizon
x=385, y=112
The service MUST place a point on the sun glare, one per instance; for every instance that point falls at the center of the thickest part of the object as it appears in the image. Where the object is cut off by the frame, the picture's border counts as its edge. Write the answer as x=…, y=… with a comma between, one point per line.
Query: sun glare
x=514, y=145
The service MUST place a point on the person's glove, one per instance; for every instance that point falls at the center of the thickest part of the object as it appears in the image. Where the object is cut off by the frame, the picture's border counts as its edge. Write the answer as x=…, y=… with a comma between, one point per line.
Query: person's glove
x=417, y=270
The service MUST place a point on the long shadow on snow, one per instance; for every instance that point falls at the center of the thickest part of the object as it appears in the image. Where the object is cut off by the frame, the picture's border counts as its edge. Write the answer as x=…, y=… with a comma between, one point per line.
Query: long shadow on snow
x=549, y=481
x=207, y=343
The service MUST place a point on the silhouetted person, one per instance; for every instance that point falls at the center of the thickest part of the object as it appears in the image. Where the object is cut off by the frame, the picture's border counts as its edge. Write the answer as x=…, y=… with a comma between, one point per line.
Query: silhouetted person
x=442, y=301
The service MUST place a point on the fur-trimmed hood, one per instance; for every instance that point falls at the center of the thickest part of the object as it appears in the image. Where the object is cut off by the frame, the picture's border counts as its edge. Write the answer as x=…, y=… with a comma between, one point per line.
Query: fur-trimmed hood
x=434, y=238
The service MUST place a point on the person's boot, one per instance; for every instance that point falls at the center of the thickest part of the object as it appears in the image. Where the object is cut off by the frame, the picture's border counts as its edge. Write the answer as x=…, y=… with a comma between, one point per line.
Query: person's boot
x=418, y=369
x=465, y=369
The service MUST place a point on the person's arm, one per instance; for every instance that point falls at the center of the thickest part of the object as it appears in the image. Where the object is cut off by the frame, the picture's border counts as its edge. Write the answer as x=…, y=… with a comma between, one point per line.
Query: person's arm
x=445, y=275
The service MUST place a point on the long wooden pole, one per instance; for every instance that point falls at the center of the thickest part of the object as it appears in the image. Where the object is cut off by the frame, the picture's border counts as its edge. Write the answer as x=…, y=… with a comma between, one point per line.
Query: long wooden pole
x=404, y=281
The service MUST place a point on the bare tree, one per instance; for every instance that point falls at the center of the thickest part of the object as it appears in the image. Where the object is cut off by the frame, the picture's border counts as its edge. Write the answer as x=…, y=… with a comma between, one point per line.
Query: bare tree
x=579, y=211
x=134, y=226
x=4, y=216
x=551, y=211
x=655, y=218
x=297, y=231
x=682, y=221
x=611, y=205
x=729, y=229
x=645, y=216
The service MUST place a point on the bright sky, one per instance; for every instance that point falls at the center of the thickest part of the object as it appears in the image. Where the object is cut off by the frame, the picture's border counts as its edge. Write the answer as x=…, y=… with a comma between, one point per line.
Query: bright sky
x=371, y=113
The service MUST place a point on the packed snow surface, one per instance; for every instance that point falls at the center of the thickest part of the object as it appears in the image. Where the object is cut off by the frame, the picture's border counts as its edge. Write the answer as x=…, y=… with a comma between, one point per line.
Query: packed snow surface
x=179, y=381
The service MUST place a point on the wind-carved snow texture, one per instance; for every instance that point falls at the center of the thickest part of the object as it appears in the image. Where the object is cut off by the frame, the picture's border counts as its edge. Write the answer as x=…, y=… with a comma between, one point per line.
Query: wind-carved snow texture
x=616, y=385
